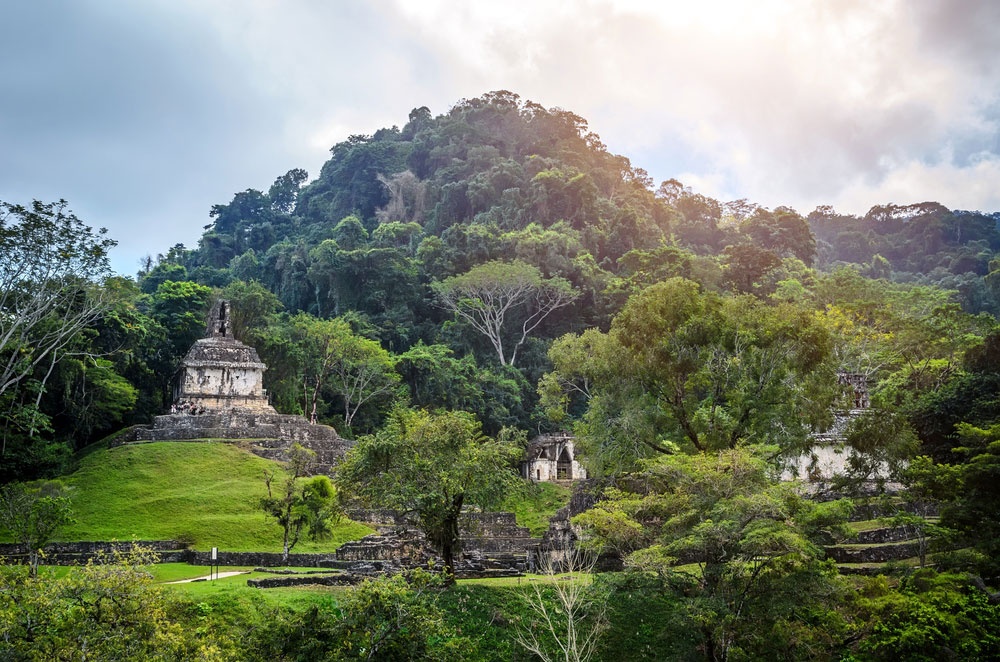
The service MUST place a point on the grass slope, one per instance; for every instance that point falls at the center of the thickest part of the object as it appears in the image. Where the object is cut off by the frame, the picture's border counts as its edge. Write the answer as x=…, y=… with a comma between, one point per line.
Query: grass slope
x=201, y=493
x=537, y=504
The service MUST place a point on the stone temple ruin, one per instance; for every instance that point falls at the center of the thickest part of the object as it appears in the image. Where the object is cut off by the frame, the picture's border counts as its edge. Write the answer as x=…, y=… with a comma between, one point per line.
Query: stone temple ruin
x=829, y=453
x=219, y=394
x=220, y=373
x=552, y=457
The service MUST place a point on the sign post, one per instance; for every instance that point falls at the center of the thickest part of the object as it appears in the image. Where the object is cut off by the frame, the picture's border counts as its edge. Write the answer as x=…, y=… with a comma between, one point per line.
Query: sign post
x=215, y=564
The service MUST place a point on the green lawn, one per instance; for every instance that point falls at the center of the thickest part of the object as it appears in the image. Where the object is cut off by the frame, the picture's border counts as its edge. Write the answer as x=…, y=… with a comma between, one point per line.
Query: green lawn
x=235, y=588
x=538, y=504
x=201, y=493
x=205, y=493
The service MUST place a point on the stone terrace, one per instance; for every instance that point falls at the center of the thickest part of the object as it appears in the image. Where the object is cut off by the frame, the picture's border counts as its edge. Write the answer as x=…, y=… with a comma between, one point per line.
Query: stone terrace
x=267, y=435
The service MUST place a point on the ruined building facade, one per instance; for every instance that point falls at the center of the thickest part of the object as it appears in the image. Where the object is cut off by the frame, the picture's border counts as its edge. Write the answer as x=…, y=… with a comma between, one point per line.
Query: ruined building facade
x=219, y=395
x=552, y=457
x=220, y=373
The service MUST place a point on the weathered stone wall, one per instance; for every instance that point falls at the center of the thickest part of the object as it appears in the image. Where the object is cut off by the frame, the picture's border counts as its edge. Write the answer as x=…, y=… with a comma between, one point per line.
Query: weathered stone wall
x=306, y=580
x=491, y=525
x=223, y=381
x=505, y=545
x=404, y=549
x=270, y=436
x=71, y=553
x=559, y=542
x=884, y=535
x=877, y=554
x=234, y=424
x=378, y=518
x=407, y=548
x=266, y=559
x=474, y=527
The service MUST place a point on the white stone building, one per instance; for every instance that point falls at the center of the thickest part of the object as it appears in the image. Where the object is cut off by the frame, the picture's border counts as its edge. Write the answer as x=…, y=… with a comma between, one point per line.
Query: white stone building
x=552, y=457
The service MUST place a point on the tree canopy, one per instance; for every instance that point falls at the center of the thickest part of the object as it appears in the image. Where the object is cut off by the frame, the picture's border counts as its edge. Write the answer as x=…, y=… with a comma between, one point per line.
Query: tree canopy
x=431, y=465
x=493, y=296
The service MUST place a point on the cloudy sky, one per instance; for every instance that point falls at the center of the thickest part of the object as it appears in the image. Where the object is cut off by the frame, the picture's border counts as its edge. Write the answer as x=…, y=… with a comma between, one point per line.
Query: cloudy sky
x=144, y=114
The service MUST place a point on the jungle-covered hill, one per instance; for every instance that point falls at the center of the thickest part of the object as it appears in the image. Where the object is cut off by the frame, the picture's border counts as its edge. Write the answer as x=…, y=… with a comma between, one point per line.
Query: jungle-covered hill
x=388, y=250
x=498, y=260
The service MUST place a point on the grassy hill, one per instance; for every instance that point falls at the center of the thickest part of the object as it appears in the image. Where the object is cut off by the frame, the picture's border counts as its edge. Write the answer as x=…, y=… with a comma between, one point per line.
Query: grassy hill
x=201, y=493
x=205, y=494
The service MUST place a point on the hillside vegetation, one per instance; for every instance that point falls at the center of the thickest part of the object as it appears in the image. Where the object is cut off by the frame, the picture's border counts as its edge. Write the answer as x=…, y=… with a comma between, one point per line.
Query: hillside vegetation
x=443, y=291
x=204, y=494
x=384, y=250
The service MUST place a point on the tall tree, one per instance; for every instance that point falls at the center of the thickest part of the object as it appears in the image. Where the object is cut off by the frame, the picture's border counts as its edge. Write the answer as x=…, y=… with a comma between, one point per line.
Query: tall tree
x=32, y=514
x=51, y=265
x=431, y=465
x=252, y=306
x=354, y=369
x=182, y=309
x=686, y=368
x=498, y=295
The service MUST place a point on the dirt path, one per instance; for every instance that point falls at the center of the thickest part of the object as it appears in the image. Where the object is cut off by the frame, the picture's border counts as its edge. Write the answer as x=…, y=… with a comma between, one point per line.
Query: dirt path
x=218, y=575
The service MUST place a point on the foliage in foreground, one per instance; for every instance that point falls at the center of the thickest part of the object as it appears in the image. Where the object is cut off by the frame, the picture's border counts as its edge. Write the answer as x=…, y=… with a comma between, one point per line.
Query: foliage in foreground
x=114, y=610
x=106, y=610
x=385, y=618
x=735, y=547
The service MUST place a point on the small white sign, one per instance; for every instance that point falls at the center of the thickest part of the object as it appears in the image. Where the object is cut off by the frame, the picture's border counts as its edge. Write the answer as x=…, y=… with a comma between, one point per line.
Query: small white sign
x=215, y=553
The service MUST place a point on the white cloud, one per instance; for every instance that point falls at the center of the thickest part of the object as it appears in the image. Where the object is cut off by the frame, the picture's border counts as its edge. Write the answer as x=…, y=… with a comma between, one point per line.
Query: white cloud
x=784, y=101
x=942, y=182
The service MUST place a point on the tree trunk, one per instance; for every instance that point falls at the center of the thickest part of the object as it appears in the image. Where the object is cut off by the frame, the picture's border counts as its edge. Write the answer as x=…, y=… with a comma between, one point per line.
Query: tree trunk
x=284, y=543
x=32, y=561
x=315, y=400
x=451, y=540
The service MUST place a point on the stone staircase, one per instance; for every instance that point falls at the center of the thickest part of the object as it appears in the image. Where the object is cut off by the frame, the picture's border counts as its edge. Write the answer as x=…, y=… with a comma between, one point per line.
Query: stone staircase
x=876, y=544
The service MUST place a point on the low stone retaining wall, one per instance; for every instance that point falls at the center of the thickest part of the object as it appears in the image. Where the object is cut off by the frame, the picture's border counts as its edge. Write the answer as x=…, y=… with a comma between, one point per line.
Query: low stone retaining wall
x=78, y=553
x=473, y=526
x=266, y=559
x=267, y=435
x=501, y=545
x=409, y=549
x=885, y=535
x=406, y=548
x=235, y=424
x=877, y=554
x=377, y=517
x=169, y=551
x=305, y=580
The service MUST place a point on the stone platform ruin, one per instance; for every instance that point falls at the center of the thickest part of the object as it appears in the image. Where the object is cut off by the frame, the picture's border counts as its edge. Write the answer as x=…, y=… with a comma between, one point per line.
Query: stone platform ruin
x=219, y=396
x=493, y=545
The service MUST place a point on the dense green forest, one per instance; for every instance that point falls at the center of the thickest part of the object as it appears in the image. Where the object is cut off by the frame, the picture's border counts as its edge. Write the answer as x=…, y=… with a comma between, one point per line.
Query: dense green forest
x=497, y=259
